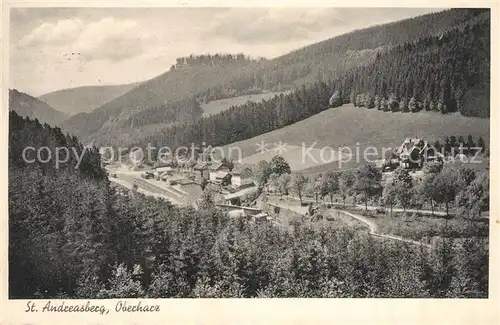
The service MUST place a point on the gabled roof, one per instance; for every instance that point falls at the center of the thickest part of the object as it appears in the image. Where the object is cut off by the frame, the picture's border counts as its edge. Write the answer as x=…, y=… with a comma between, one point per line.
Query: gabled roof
x=186, y=181
x=163, y=174
x=240, y=170
x=215, y=166
x=221, y=174
x=201, y=165
x=410, y=144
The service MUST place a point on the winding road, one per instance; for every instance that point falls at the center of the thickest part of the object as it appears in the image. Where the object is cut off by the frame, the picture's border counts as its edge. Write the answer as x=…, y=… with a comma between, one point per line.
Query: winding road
x=372, y=226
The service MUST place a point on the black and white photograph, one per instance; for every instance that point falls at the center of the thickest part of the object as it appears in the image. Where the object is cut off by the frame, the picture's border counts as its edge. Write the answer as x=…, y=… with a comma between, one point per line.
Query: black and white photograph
x=247, y=152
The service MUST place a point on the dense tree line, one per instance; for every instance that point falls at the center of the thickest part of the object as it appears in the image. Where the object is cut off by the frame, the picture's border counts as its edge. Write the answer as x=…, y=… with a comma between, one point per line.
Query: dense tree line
x=243, y=122
x=452, y=185
x=42, y=196
x=445, y=73
x=453, y=146
x=25, y=132
x=113, y=245
x=184, y=110
x=456, y=189
x=210, y=60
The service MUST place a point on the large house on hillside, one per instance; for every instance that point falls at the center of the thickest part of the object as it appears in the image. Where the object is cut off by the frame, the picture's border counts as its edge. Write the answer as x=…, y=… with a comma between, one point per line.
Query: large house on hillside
x=414, y=152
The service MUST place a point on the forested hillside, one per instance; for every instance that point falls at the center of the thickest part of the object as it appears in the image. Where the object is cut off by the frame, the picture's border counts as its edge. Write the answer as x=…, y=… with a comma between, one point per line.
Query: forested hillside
x=47, y=200
x=205, y=78
x=84, y=99
x=333, y=57
x=443, y=73
x=28, y=106
x=175, y=85
x=24, y=132
x=448, y=73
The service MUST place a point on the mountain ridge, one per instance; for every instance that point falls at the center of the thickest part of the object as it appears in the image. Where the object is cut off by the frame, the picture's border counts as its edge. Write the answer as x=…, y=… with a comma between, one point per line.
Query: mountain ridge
x=28, y=106
x=84, y=99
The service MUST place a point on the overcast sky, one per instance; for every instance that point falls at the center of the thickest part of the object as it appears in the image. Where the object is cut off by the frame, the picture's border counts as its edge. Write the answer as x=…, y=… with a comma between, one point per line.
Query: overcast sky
x=60, y=48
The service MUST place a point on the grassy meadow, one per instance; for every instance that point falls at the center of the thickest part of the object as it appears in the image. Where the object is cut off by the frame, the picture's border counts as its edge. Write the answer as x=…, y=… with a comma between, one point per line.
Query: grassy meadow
x=358, y=128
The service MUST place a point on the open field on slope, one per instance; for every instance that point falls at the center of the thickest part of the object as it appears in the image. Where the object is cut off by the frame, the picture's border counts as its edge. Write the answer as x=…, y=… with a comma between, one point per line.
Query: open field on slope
x=216, y=106
x=298, y=157
x=358, y=128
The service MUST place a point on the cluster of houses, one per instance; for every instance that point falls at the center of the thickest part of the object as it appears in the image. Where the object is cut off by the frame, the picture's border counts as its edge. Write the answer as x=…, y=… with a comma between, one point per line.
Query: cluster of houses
x=204, y=171
x=217, y=172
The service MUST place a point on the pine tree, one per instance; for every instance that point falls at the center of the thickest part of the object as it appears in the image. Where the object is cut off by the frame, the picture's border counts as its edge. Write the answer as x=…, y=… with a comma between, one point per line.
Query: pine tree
x=393, y=103
x=368, y=182
x=437, y=146
x=470, y=145
x=481, y=144
x=403, y=105
x=377, y=102
x=413, y=105
x=447, y=146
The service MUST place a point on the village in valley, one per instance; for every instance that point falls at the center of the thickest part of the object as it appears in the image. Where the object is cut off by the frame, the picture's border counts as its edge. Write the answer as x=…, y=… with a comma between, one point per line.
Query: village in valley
x=258, y=191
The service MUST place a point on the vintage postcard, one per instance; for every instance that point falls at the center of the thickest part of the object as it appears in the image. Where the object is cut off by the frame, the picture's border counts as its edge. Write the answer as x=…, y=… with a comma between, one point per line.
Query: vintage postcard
x=228, y=163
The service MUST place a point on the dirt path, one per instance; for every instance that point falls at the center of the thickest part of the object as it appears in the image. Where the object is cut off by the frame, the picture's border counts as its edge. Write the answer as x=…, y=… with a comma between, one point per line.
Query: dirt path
x=370, y=223
x=374, y=207
x=373, y=229
x=292, y=207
